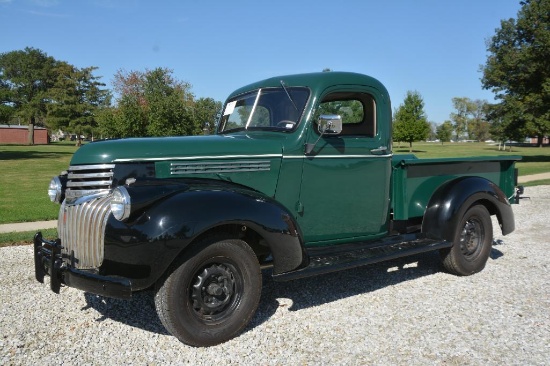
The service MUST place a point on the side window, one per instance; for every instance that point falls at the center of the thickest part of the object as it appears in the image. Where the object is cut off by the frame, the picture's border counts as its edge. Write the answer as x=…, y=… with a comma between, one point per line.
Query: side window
x=358, y=112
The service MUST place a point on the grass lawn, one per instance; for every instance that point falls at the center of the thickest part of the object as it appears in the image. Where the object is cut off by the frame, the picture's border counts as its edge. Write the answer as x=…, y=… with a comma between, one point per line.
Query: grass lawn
x=535, y=159
x=27, y=170
x=24, y=238
x=26, y=173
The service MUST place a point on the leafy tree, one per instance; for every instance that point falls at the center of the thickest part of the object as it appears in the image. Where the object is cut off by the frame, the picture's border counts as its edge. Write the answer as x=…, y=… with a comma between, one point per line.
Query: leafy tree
x=478, y=128
x=507, y=122
x=461, y=117
x=518, y=71
x=150, y=103
x=409, y=121
x=445, y=132
x=76, y=97
x=351, y=111
x=469, y=120
x=169, y=104
x=39, y=88
x=25, y=79
x=206, y=111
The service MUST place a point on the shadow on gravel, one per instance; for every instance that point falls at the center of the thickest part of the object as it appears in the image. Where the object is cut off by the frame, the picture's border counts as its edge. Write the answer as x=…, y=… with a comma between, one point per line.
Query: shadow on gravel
x=305, y=293
x=138, y=312
x=314, y=291
x=495, y=254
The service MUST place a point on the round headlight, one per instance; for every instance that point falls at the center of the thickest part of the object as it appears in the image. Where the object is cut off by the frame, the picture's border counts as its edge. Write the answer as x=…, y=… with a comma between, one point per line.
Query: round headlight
x=121, y=203
x=55, y=190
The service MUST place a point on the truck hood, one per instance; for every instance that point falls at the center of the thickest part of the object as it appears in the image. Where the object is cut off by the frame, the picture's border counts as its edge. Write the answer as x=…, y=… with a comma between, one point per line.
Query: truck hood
x=252, y=161
x=177, y=148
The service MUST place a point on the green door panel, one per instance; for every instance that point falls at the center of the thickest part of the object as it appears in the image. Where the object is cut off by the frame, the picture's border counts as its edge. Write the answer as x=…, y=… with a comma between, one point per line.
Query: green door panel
x=344, y=194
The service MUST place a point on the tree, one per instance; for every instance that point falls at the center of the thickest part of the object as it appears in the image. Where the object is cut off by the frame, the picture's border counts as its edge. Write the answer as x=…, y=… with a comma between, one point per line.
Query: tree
x=445, y=131
x=464, y=108
x=518, y=71
x=76, y=97
x=150, y=103
x=39, y=88
x=469, y=120
x=206, y=111
x=409, y=121
x=25, y=78
x=478, y=128
x=507, y=122
x=6, y=108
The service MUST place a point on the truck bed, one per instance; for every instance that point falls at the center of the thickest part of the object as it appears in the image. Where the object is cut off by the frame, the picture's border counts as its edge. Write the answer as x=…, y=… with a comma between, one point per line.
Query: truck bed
x=414, y=180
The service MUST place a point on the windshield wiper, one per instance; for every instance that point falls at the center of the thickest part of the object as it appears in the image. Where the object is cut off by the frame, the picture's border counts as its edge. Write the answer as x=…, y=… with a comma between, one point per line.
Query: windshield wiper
x=288, y=94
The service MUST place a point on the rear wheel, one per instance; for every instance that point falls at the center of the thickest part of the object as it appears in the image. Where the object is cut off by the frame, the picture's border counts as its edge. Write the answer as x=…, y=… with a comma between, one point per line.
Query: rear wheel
x=212, y=294
x=473, y=239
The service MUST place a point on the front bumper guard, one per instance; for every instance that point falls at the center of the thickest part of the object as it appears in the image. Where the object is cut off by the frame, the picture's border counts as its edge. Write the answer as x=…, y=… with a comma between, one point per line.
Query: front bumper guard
x=48, y=260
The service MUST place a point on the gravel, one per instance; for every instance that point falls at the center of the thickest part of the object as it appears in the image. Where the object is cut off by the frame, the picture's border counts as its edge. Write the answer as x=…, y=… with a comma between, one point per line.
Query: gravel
x=401, y=312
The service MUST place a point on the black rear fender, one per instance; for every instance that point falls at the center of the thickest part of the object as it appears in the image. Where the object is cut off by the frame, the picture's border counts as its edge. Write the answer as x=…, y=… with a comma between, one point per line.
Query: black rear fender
x=451, y=200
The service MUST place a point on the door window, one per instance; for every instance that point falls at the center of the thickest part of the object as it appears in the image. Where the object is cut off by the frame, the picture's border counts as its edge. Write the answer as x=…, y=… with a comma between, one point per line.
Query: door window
x=358, y=112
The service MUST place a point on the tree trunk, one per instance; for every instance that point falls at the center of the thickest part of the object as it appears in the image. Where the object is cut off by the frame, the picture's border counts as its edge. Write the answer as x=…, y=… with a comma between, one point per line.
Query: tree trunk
x=540, y=140
x=30, y=140
x=410, y=146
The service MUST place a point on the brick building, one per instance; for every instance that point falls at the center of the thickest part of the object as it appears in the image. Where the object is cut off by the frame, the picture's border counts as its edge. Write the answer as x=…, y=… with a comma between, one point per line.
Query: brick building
x=15, y=134
x=545, y=140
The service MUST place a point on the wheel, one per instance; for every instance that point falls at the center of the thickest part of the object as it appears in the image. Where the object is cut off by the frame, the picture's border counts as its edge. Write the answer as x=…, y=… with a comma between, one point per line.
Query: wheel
x=211, y=294
x=472, y=243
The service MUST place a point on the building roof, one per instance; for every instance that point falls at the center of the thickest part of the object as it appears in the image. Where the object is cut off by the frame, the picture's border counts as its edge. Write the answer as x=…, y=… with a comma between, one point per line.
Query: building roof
x=22, y=127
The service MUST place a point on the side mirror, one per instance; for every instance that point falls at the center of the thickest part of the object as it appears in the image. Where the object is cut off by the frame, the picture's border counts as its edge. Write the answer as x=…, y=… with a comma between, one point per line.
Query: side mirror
x=329, y=124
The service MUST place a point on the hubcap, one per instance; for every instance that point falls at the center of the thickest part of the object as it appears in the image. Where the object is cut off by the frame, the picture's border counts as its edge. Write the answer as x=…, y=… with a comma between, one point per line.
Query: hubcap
x=213, y=290
x=471, y=239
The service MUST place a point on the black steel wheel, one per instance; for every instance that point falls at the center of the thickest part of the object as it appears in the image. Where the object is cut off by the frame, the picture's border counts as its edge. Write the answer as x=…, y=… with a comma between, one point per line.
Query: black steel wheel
x=472, y=243
x=211, y=294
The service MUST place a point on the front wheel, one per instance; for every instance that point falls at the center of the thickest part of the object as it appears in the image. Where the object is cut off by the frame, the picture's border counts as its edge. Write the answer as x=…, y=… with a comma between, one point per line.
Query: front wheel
x=212, y=293
x=473, y=239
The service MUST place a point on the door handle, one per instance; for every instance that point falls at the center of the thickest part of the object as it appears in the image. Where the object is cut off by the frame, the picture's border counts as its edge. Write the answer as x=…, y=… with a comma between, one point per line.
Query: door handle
x=379, y=151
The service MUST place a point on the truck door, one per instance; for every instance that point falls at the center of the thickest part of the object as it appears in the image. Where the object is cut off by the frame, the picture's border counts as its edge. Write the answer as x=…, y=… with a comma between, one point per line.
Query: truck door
x=345, y=186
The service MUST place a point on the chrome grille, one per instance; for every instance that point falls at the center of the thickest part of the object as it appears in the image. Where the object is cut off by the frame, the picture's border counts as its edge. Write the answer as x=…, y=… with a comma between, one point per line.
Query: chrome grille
x=219, y=167
x=85, y=180
x=81, y=228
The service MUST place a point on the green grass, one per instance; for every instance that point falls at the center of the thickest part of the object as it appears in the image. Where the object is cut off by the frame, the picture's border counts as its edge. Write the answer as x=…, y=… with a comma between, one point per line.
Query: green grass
x=25, y=174
x=24, y=238
x=535, y=159
x=542, y=182
x=27, y=170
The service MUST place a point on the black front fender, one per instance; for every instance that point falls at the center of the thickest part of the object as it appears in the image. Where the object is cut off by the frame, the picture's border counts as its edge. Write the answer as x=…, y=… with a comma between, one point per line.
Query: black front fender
x=451, y=200
x=144, y=248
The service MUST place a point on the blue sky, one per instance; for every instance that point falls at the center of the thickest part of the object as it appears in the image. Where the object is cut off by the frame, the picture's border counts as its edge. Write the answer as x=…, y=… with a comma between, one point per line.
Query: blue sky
x=435, y=47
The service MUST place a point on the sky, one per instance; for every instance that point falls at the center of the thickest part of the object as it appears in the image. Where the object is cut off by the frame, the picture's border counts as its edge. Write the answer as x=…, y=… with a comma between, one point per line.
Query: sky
x=435, y=47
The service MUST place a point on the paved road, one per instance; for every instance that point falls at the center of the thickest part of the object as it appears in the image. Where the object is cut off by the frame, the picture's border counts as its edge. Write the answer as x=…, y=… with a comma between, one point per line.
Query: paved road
x=533, y=177
x=28, y=226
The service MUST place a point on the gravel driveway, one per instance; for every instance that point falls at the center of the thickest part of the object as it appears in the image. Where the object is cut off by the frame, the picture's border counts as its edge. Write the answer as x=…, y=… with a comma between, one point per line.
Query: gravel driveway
x=401, y=312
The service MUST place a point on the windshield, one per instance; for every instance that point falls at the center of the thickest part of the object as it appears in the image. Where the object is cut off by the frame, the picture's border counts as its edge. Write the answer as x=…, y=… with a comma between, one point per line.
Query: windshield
x=274, y=109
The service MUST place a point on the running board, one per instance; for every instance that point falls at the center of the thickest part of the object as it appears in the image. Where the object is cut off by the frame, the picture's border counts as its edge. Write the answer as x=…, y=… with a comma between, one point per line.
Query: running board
x=333, y=259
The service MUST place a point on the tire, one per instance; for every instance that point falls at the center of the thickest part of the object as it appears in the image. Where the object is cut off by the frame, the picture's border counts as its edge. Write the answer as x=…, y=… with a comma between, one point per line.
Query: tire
x=211, y=294
x=473, y=239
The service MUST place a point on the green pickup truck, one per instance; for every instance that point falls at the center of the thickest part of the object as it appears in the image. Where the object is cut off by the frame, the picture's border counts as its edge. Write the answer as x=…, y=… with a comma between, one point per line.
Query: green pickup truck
x=298, y=180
